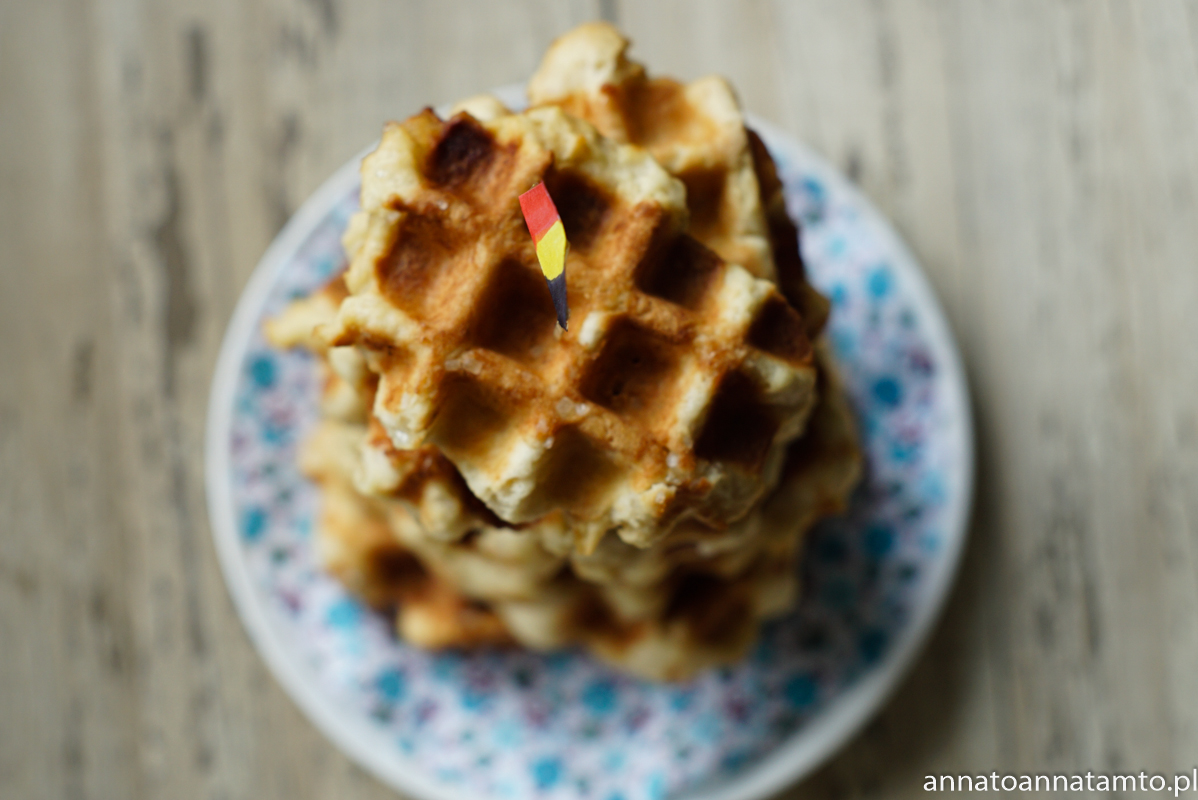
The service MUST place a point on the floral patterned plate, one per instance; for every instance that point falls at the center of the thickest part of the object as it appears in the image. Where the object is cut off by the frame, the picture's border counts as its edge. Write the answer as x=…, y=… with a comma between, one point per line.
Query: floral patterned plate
x=520, y=725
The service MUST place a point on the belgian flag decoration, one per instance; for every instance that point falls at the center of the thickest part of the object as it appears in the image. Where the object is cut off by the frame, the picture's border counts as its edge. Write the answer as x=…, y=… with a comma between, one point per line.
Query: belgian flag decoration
x=549, y=236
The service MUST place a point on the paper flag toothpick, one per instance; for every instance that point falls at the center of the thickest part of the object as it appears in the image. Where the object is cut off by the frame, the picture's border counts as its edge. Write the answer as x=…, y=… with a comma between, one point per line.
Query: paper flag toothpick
x=549, y=235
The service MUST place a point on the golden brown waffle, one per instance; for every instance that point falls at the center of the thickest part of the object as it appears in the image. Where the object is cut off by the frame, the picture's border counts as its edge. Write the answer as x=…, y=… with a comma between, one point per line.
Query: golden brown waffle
x=438, y=267
x=707, y=621
x=697, y=132
x=348, y=386
x=702, y=621
x=493, y=561
x=296, y=325
x=357, y=546
x=824, y=465
x=432, y=510
x=821, y=469
x=675, y=397
x=688, y=623
x=665, y=612
x=784, y=243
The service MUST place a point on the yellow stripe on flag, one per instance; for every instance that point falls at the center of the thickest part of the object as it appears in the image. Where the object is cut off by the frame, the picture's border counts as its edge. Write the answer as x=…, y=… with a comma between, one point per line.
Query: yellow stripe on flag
x=551, y=251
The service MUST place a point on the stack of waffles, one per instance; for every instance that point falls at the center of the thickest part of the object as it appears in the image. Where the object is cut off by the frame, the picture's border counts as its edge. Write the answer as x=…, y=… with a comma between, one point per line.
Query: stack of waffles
x=638, y=485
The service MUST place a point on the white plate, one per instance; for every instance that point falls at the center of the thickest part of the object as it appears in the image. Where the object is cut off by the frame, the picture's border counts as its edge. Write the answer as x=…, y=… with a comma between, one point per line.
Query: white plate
x=498, y=725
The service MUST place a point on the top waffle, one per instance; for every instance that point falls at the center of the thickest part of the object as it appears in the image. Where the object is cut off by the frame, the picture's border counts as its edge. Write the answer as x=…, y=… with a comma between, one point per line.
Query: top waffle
x=697, y=132
x=676, y=395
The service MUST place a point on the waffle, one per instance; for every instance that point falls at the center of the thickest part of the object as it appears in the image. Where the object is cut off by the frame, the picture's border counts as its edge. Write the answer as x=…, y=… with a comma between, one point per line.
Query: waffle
x=296, y=325
x=824, y=465
x=356, y=545
x=700, y=620
x=676, y=397
x=432, y=510
x=669, y=632
x=821, y=469
x=665, y=612
x=348, y=386
x=474, y=468
x=697, y=132
x=493, y=561
x=689, y=622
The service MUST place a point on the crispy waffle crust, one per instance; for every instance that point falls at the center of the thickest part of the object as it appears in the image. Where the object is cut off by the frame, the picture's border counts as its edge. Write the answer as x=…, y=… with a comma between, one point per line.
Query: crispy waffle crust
x=676, y=397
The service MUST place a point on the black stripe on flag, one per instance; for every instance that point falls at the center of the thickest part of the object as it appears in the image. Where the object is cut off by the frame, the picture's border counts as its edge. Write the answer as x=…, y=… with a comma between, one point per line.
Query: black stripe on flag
x=557, y=290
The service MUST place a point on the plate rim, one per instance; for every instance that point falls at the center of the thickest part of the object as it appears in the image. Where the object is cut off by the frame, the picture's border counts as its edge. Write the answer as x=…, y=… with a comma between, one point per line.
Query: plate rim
x=793, y=759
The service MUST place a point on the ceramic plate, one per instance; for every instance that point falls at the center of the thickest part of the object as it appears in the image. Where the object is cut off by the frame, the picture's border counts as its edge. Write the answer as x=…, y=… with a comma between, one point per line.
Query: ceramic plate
x=519, y=725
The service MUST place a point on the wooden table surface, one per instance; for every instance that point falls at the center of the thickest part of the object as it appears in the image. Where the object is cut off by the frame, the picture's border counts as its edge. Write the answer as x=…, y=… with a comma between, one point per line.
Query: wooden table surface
x=1041, y=158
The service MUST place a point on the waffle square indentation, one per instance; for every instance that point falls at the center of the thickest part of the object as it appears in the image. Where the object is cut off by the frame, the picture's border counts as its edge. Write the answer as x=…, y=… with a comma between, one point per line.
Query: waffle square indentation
x=471, y=418
x=739, y=427
x=516, y=316
x=583, y=206
x=579, y=474
x=634, y=373
x=778, y=330
x=680, y=272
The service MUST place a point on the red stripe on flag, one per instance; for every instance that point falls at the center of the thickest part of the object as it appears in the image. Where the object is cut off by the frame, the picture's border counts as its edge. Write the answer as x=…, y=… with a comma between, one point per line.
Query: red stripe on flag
x=539, y=211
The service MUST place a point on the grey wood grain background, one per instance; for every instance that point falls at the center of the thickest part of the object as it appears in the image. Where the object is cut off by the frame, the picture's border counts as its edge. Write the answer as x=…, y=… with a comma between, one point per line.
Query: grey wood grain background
x=1040, y=157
